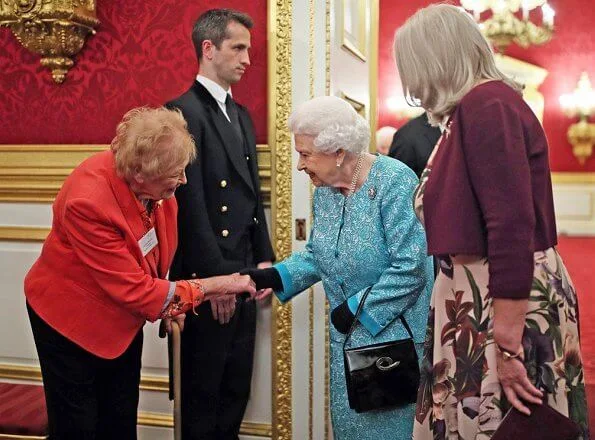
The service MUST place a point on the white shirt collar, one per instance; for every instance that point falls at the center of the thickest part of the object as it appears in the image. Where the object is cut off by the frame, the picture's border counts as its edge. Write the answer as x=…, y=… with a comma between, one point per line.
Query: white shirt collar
x=216, y=91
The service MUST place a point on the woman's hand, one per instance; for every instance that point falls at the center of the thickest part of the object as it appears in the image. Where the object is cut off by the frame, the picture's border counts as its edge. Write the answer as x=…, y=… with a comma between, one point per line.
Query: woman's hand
x=516, y=384
x=166, y=323
x=509, y=324
x=223, y=308
x=233, y=284
x=263, y=294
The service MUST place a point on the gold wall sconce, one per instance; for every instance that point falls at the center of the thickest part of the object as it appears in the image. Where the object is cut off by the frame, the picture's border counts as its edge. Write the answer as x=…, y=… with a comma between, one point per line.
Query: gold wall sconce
x=54, y=29
x=581, y=103
x=505, y=25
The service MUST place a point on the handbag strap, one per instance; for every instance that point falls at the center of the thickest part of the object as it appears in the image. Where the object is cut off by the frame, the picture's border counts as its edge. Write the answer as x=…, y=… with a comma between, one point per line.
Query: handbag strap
x=359, y=311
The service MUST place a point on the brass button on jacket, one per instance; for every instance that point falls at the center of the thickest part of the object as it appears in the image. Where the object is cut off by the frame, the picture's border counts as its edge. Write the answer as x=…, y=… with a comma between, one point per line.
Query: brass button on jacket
x=223, y=183
x=225, y=233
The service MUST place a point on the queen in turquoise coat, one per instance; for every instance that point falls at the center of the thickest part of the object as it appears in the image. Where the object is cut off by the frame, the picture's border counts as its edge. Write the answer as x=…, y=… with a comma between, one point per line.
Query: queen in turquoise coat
x=364, y=235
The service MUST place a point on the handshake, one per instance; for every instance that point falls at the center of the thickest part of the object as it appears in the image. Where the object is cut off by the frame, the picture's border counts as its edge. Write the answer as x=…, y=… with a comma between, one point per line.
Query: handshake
x=266, y=279
x=221, y=292
x=258, y=283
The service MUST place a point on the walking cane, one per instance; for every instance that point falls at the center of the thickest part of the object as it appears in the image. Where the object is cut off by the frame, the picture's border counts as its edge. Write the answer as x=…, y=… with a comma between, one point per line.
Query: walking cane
x=175, y=373
x=177, y=379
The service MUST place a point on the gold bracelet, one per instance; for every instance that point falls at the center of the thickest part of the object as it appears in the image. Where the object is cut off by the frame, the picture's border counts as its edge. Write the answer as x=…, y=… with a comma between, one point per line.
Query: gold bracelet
x=508, y=355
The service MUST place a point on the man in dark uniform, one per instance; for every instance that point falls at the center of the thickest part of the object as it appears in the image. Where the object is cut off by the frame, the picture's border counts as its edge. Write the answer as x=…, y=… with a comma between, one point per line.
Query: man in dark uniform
x=222, y=229
x=413, y=143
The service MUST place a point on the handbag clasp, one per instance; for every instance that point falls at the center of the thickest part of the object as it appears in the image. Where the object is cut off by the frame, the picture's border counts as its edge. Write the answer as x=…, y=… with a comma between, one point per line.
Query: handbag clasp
x=386, y=363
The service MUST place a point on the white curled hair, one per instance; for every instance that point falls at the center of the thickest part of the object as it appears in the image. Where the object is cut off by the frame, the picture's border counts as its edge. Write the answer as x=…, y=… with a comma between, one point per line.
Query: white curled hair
x=333, y=123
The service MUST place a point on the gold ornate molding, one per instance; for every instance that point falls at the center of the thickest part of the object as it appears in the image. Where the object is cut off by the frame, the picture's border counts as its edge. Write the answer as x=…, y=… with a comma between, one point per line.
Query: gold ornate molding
x=20, y=437
x=279, y=104
x=161, y=420
x=54, y=29
x=573, y=178
x=23, y=233
x=35, y=173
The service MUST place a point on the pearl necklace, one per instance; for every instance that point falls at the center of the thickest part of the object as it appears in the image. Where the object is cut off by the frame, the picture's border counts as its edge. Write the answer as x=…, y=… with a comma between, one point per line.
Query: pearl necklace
x=356, y=173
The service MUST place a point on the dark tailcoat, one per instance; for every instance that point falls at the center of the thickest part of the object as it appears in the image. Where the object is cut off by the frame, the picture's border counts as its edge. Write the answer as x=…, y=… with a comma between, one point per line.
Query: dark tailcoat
x=413, y=143
x=222, y=229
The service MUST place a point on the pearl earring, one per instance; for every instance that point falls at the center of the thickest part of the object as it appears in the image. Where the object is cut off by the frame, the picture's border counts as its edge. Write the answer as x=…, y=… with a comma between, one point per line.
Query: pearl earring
x=338, y=165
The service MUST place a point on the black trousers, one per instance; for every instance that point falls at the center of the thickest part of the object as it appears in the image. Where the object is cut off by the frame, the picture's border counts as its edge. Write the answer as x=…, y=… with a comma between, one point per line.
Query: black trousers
x=87, y=397
x=216, y=372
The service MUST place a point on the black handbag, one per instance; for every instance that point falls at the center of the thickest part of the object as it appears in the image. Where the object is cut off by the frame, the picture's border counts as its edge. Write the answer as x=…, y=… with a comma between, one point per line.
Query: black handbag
x=382, y=375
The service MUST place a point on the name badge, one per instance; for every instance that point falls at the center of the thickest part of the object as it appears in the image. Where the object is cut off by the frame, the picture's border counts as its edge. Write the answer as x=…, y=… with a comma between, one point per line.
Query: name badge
x=148, y=242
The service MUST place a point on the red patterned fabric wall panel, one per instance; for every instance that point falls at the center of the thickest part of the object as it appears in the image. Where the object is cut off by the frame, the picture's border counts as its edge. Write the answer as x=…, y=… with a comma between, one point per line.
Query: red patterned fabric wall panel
x=571, y=52
x=141, y=55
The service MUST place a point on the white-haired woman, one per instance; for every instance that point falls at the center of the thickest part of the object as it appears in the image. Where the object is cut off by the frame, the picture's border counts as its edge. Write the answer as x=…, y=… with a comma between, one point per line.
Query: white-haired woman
x=365, y=235
x=503, y=327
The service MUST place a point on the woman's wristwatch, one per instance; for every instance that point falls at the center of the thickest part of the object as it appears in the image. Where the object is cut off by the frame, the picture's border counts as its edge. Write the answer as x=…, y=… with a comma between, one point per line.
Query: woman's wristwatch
x=508, y=355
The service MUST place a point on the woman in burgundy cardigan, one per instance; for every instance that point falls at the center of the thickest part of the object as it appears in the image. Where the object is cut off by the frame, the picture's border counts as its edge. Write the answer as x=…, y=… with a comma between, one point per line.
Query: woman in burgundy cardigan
x=503, y=325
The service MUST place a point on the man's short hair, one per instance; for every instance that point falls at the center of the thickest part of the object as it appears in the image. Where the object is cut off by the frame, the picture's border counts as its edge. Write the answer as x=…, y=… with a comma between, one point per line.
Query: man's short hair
x=212, y=25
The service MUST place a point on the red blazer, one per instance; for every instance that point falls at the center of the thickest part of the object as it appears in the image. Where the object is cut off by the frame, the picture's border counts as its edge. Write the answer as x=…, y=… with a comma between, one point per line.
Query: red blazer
x=91, y=282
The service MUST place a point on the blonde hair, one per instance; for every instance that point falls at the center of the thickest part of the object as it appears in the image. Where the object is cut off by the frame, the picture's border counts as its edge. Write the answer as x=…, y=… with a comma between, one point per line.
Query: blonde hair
x=441, y=54
x=152, y=142
x=333, y=123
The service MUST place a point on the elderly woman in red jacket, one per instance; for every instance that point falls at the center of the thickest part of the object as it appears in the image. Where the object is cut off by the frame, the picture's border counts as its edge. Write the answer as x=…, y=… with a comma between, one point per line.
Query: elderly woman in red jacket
x=102, y=274
x=503, y=326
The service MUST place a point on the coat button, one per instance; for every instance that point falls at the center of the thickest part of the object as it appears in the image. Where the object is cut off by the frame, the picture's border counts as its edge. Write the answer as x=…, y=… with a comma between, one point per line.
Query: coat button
x=223, y=183
x=193, y=274
x=224, y=208
x=255, y=220
x=225, y=233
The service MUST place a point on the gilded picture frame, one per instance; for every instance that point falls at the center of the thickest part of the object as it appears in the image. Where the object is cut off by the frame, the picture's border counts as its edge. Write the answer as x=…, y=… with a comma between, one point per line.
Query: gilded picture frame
x=353, y=27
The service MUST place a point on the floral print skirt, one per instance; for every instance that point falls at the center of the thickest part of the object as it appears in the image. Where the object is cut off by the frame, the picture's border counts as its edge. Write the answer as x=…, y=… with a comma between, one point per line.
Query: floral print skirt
x=460, y=396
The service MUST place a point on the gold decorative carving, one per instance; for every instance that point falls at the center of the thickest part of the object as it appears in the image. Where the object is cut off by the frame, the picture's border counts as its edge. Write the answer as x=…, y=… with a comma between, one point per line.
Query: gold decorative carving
x=581, y=103
x=35, y=173
x=279, y=99
x=54, y=29
x=503, y=27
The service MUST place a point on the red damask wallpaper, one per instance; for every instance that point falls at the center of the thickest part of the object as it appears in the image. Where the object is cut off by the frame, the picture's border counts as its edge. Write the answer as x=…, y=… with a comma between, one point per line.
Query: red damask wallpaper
x=571, y=52
x=141, y=55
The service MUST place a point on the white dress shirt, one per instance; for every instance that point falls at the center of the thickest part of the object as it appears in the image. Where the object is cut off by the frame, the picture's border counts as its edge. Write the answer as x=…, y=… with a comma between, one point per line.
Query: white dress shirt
x=216, y=91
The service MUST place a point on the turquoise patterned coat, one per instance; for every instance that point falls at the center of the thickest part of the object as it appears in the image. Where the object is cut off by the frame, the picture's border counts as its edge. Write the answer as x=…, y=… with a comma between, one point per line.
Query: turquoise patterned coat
x=372, y=238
